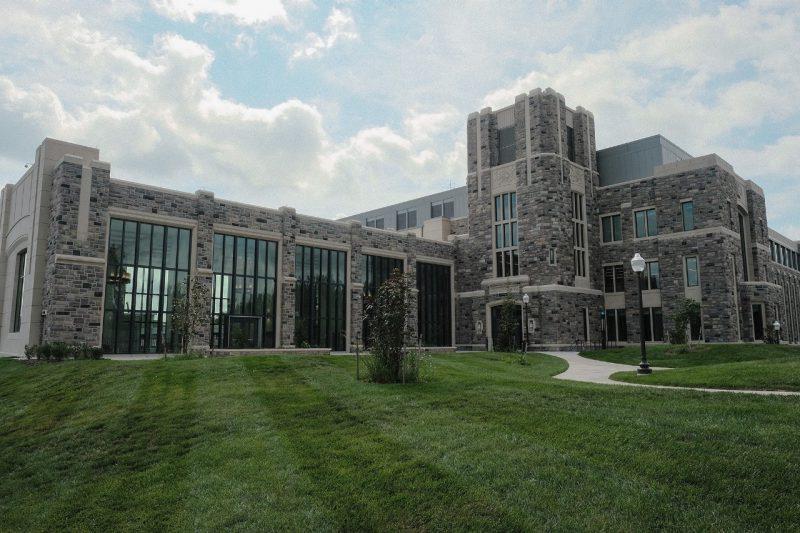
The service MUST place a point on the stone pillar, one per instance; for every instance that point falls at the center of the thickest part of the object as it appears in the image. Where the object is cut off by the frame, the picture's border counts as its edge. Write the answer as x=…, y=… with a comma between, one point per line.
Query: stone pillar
x=289, y=279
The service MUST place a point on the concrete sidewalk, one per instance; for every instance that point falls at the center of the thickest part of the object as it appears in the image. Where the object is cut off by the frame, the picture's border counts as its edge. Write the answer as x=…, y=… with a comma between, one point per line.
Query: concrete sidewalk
x=592, y=371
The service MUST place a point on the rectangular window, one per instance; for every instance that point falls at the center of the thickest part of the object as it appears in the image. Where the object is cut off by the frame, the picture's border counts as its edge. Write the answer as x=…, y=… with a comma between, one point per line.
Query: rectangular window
x=687, y=214
x=692, y=273
x=375, y=223
x=507, y=145
x=616, y=325
x=406, y=219
x=243, y=292
x=19, y=285
x=506, y=242
x=442, y=208
x=646, y=224
x=579, y=234
x=376, y=269
x=651, y=276
x=147, y=269
x=434, y=318
x=320, y=298
x=614, y=278
x=612, y=228
x=653, y=324
x=571, y=143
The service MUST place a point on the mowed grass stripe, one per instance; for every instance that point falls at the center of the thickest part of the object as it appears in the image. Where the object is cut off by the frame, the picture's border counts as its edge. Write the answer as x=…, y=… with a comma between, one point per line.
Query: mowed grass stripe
x=242, y=476
x=369, y=480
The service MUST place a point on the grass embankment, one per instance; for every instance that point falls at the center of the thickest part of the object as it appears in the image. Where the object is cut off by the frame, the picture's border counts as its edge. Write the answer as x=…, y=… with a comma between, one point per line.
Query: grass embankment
x=726, y=366
x=285, y=442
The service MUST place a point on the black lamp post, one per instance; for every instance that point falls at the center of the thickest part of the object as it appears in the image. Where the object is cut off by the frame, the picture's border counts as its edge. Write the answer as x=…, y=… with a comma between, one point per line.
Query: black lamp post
x=637, y=264
x=525, y=301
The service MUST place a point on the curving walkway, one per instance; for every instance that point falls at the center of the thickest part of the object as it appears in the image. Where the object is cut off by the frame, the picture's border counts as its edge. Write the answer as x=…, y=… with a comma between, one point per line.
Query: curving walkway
x=593, y=371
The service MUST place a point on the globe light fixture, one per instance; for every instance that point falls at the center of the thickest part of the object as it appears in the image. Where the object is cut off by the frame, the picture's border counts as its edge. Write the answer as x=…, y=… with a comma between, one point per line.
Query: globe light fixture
x=525, y=301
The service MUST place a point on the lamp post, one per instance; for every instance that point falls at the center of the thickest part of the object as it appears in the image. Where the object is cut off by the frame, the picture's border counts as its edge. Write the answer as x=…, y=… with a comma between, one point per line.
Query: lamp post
x=525, y=301
x=637, y=264
x=777, y=327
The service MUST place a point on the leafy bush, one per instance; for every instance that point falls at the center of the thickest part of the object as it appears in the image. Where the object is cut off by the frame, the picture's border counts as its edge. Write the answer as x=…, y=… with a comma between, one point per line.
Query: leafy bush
x=508, y=327
x=58, y=351
x=687, y=311
x=387, y=313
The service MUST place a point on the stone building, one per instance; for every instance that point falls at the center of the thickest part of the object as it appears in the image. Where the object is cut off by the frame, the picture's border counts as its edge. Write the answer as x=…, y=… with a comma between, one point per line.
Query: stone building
x=92, y=258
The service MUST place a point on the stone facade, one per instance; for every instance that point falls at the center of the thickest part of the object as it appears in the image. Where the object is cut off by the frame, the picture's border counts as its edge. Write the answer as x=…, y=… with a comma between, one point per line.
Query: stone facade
x=554, y=166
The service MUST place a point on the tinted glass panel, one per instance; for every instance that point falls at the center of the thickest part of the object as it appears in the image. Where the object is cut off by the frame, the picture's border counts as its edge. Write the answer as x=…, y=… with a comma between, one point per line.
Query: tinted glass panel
x=434, y=305
x=320, y=298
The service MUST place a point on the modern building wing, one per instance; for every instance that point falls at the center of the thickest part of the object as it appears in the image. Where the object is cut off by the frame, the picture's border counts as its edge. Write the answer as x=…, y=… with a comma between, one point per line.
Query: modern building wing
x=90, y=258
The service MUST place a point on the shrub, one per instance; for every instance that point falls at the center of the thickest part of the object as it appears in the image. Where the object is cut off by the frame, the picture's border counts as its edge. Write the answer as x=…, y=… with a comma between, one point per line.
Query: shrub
x=387, y=313
x=58, y=351
x=31, y=351
x=687, y=311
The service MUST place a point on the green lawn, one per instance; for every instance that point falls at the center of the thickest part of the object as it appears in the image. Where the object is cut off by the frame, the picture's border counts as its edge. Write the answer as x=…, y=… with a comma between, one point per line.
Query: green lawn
x=291, y=442
x=726, y=366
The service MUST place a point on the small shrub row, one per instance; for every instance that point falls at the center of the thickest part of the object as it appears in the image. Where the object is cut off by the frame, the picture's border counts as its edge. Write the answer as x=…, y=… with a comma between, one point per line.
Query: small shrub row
x=58, y=351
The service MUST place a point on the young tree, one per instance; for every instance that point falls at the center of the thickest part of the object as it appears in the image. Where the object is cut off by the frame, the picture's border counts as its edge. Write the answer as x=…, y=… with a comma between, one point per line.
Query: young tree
x=387, y=313
x=190, y=311
x=508, y=327
x=687, y=312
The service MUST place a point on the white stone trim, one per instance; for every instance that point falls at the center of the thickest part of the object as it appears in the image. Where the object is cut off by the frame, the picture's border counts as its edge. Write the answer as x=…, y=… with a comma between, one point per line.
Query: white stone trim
x=79, y=260
x=368, y=250
x=509, y=280
x=152, y=218
x=470, y=294
x=152, y=187
x=238, y=231
x=535, y=289
x=320, y=243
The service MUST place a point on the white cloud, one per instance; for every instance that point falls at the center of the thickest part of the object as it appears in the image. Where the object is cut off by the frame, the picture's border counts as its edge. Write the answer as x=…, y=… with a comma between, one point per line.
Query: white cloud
x=243, y=12
x=158, y=118
x=339, y=26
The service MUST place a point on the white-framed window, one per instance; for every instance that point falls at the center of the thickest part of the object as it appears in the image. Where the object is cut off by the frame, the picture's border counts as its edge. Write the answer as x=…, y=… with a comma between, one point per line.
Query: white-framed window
x=687, y=215
x=506, y=145
x=614, y=278
x=579, y=233
x=612, y=227
x=375, y=222
x=651, y=277
x=506, y=243
x=692, y=271
x=653, y=324
x=406, y=218
x=645, y=223
x=443, y=208
x=616, y=325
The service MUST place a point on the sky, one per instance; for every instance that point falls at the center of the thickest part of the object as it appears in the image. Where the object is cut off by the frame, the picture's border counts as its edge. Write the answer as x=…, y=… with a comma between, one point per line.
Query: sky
x=339, y=107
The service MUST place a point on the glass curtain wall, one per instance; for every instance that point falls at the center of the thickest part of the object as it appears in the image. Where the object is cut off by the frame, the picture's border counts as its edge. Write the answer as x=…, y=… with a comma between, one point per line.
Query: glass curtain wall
x=244, y=284
x=320, y=298
x=434, y=300
x=377, y=269
x=148, y=264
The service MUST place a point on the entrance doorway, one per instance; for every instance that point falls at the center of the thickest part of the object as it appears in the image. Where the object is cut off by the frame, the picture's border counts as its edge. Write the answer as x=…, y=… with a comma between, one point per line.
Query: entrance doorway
x=517, y=338
x=758, y=322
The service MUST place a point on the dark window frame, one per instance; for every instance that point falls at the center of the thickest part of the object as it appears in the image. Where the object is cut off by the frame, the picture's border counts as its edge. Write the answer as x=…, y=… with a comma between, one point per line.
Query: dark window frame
x=19, y=288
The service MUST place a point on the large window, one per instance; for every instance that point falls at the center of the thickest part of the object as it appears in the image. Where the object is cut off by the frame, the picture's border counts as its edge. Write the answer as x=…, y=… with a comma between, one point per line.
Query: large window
x=148, y=267
x=653, y=324
x=433, y=304
x=406, y=218
x=743, y=245
x=375, y=223
x=614, y=278
x=507, y=145
x=687, y=215
x=505, y=235
x=651, y=276
x=320, y=298
x=377, y=269
x=692, y=272
x=445, y=208
x=245, y=279
x=579, y=233
x=571, y=143
x=616, y=325
x=646, y=225
x=19, y=285
x=612, y=228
